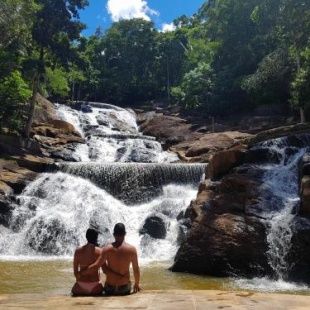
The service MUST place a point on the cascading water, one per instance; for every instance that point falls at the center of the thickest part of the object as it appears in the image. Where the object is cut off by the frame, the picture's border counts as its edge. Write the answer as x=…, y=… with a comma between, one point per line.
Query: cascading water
x=278, y=205
x=112, y=135
x=123, y=176
x=282, y=181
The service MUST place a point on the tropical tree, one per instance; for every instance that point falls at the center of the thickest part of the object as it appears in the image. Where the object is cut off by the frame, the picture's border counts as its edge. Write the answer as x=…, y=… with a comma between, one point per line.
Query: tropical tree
x=283, y=28
x=55, y=27
x=129, y=53
x=16, y=19
x=14, y=93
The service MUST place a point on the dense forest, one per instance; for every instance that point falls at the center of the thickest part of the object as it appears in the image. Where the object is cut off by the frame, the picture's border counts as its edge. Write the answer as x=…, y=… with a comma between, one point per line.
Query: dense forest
x=231, y=56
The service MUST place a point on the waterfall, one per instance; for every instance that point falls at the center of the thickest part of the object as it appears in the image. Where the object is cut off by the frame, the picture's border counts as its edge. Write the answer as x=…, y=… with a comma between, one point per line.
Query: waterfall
x=133, y=182
x=112, y=135
x=280, y=198
x=122, y=176
x=56, y=209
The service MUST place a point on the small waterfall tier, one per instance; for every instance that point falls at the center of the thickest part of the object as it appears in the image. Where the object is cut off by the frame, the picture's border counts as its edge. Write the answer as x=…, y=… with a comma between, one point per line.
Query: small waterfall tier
x=135, y=182
x=112, y=135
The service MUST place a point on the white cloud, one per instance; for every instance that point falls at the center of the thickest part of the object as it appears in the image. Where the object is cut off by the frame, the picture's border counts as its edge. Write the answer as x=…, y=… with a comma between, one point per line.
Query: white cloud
x=128, y=9
x=168, y=27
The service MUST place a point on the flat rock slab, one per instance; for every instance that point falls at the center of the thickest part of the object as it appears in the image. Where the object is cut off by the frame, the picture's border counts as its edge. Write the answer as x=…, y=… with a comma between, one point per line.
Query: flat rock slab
x=160, y=300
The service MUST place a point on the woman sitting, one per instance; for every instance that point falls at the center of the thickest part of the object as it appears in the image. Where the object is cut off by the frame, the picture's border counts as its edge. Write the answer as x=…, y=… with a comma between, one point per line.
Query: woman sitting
x=87, y=283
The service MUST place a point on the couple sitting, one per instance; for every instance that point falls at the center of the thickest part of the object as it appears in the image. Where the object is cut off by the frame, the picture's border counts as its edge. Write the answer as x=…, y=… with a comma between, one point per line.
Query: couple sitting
x=114, y=259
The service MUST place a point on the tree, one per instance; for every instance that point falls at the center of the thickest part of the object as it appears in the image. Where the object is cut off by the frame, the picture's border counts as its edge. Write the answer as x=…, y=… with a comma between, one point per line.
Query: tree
x=57, y=83
x=285, y=23
x=14, y=93
x=56, y=26
x=300, y=85
x=129, y=54
x=196, y=87
x=16, y=19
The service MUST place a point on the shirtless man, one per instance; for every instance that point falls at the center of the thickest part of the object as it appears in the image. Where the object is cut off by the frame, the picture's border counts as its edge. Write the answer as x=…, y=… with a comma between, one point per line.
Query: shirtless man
x=115, y=260
x=89, y=283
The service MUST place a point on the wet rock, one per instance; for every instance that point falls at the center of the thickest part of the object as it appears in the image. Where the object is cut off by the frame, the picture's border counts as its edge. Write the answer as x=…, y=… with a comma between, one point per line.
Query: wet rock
x=222, y=162
x=111, y=119
x=155, y=226
x=7, y=205
x=184, y=228
x=15, y=177
x=201, y=148
x=52, y=237
x=260, y=155
x=224, y=245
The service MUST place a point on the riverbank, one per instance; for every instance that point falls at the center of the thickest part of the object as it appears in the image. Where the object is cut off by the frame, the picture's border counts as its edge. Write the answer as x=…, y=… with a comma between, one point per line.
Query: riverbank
x=160, y=299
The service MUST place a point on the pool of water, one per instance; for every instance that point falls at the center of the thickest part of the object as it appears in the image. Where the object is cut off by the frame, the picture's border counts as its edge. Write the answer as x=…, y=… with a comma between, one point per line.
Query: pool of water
x=56, y=277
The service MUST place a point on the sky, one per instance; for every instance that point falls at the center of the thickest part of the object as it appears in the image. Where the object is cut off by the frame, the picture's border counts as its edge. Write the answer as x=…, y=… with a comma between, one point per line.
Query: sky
x=162, y=12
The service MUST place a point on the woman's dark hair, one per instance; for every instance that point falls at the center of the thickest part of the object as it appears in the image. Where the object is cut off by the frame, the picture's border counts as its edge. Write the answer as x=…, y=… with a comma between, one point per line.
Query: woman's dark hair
x=92, y=236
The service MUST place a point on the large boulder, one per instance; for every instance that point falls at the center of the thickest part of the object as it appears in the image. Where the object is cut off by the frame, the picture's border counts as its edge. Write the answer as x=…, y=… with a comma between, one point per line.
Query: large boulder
x=45, y=111
x=224, y=238
x=167, y=129
x=202, y=148
x=224, y=245
x=155, y=226
x=15, y=177
x=222, y=162
x=230, y=225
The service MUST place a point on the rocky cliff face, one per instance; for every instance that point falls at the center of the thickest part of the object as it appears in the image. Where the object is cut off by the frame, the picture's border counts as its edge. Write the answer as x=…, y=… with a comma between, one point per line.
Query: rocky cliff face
x=227, y=236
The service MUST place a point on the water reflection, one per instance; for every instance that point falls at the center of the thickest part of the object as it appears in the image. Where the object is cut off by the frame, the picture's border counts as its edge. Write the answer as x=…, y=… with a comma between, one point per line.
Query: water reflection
x=56, y=277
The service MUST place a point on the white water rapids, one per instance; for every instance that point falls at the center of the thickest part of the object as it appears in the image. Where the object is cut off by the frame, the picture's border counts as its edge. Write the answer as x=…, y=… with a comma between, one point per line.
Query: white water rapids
x=55, y=210
x=279, y=202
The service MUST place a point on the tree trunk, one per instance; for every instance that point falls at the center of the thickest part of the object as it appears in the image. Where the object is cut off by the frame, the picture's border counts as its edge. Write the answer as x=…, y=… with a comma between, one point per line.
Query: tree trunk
x=302, y=115
x=301, y=108
x=27, y=128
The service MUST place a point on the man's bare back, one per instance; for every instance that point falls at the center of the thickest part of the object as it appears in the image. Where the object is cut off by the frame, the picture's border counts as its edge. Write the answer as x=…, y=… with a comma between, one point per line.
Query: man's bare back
x=119, y=257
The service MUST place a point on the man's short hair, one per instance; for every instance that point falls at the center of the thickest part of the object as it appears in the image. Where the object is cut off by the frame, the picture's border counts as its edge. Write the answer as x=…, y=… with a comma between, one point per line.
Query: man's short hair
x=119, y=229
x=92, y=236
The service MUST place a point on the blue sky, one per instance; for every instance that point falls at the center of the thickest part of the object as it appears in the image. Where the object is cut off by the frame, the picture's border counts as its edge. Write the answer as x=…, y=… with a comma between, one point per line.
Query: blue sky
x=161, y=12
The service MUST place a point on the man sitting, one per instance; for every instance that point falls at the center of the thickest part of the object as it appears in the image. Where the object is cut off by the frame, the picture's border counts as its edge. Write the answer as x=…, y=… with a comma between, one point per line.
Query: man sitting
x=115, y=260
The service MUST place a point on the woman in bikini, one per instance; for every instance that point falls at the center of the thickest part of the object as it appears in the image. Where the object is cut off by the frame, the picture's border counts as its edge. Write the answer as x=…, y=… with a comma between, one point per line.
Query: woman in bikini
x=87, y=284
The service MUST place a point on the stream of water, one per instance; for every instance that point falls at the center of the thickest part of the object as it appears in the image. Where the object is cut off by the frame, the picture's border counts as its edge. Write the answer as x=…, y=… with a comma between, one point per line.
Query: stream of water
x=123, y=176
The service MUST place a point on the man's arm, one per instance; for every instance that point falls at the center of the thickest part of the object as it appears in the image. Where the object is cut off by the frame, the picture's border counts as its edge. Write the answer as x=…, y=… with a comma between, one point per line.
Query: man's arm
x=96, y=265
x=136, y=272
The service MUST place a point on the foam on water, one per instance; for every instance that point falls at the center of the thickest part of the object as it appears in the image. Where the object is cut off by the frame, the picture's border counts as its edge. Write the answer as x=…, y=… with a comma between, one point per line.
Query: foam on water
x=56, y=210
x=268, y=285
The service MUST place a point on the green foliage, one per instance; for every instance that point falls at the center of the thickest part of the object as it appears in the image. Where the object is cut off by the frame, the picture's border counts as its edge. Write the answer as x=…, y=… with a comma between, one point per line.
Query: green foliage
x=16, y=19
x=57, y=83
x=129, y=54
x=196, y=87
x=231, y=55
x=300, y=85
x=14, y=93
x=269, y=83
